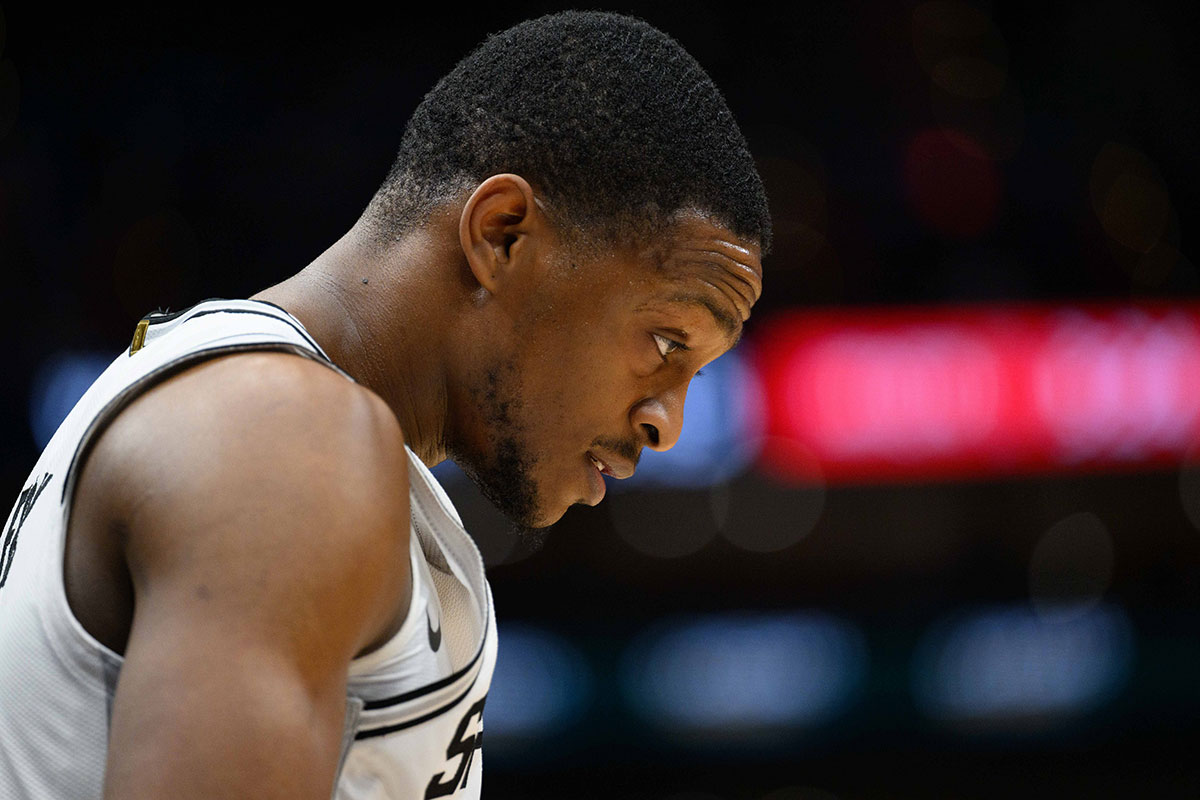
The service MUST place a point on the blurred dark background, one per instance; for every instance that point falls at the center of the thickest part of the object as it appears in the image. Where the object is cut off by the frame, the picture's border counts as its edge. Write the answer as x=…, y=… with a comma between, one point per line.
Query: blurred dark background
x=991, y=635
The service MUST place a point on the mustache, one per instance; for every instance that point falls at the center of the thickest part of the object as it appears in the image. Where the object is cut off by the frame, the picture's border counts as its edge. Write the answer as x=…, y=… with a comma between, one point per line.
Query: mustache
x=631, y=451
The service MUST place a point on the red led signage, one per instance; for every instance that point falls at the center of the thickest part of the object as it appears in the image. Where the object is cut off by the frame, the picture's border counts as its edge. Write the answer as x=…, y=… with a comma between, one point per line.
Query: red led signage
x=942, y=393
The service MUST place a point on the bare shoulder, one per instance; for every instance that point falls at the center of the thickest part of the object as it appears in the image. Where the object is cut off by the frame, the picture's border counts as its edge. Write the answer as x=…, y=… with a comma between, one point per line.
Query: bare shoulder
x=278, y=401
x=260, y=503
x=271, y=481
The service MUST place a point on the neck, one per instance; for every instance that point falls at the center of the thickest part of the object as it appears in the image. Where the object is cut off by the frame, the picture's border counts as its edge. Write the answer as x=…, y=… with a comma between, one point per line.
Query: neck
x=380, y=313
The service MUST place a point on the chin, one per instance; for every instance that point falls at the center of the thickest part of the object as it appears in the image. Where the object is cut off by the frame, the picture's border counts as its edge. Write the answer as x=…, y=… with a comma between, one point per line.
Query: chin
x=537, y=512
x=517, y=485
x=532, y=530
x=547, y=517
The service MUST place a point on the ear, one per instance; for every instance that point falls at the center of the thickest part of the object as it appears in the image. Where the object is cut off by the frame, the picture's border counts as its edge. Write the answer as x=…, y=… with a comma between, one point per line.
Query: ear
x=498, y=222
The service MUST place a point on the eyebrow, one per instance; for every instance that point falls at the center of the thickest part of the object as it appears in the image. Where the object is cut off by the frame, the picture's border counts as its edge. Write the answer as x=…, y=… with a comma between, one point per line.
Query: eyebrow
x=731, y=326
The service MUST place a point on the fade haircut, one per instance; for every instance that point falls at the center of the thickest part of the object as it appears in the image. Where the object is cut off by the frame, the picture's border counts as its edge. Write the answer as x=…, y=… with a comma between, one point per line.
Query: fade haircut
x=613, y=123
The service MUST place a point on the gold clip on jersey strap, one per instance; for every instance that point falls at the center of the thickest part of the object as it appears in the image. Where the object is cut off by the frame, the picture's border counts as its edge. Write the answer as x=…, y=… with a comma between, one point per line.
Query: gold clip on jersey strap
x=139, y=336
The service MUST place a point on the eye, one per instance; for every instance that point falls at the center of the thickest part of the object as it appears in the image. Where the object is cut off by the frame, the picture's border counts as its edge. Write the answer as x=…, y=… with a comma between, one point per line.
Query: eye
x=667, y=346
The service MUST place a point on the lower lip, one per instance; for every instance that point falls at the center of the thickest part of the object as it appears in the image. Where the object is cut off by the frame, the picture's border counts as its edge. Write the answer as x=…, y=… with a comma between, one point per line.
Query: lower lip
x=596, y=483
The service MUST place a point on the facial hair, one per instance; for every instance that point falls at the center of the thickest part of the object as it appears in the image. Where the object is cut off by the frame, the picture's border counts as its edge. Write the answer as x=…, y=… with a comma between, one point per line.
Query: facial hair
x=505, y=475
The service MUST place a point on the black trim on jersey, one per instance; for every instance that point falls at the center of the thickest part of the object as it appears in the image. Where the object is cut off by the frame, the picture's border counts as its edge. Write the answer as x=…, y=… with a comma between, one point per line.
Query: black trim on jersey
x=272, y=305
x=156, y=317
x=303, y=333
x=105, y=415
x=384, y=702
x=369, y=734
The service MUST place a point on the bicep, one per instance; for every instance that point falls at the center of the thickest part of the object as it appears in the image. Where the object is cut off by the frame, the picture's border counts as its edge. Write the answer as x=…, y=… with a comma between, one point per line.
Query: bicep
x=261, y=564
x=201, y=711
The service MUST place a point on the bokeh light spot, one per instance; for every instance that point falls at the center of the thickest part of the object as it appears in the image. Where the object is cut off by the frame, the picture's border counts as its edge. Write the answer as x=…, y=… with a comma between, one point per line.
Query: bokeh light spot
x=736, y=675
x=765, y=516
x=672, y=524
x=994, y=123
x=952, y=185
x=541, y=684
x=970, y=77
x=1071, y=567
x=1010, y=668
x=1129, y=197
x=1155, y=267
x=58, y=385
x=943, y=30
x=799, y=207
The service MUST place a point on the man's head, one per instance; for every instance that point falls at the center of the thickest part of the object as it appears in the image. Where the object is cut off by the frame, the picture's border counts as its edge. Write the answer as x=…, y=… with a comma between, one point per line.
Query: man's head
x=611, y=225
x=614, y=124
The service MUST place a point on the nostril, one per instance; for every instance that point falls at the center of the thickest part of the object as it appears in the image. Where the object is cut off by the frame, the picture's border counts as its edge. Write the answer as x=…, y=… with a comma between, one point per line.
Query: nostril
x=652, y=433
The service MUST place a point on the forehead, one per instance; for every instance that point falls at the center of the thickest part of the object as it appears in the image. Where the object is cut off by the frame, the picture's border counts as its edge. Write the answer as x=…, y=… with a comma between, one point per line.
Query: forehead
x=700, y=262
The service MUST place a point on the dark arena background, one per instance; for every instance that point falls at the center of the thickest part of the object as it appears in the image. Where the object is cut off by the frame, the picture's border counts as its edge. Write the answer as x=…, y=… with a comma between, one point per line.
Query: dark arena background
x=934, y=527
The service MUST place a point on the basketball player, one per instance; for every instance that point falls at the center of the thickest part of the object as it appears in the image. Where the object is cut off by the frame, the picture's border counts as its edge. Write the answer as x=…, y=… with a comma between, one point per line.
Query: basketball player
x=231, y=574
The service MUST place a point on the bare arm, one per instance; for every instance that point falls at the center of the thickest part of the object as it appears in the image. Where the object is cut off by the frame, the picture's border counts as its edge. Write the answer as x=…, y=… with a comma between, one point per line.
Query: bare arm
x=265, y=504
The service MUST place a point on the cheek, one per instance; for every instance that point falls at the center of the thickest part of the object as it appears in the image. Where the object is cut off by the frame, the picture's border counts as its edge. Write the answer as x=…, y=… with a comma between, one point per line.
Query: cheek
x=574, y=400
x=584, y=371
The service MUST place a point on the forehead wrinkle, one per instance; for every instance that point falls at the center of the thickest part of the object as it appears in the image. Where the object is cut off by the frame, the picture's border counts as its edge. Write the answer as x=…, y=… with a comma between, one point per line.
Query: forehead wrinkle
x=740, y=277
x=731, y=326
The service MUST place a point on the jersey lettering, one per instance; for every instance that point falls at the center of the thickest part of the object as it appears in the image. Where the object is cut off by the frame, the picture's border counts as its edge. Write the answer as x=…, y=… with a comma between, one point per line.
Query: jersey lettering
x=461, y=745
x=19, y=514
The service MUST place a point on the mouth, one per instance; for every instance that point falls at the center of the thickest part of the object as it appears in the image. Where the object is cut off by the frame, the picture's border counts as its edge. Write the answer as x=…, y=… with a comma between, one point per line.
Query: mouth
x=612, y=466
x=600, y=465
x=596, y=487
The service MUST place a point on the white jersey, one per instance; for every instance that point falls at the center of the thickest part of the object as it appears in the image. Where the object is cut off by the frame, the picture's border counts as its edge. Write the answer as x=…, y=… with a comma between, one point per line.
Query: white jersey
x=414, y=719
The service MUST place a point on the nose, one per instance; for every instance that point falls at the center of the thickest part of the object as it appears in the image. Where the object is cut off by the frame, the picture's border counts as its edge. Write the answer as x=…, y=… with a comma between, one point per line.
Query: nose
x=659, y=419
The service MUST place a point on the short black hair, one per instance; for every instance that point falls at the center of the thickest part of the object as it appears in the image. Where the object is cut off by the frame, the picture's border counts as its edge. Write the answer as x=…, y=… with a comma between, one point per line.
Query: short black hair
x=614, y=124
